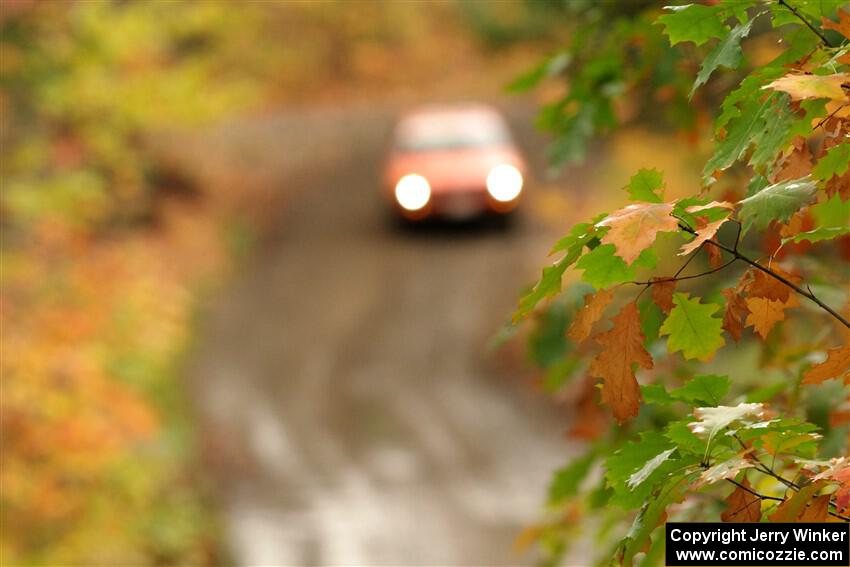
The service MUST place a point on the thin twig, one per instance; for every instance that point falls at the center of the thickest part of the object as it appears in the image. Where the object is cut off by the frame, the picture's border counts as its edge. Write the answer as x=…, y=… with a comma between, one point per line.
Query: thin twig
x=680, y=278
x=776, y=499
x=831, y=114
x=807, y=294
x=800, y=17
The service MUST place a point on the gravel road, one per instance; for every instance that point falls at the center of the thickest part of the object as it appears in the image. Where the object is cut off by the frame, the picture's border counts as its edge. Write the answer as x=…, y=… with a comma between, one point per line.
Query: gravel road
x=352, y=411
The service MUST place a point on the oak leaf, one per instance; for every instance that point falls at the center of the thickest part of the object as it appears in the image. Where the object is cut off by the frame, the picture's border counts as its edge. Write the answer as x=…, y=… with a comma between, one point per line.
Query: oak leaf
x=735, y=314
x=837, y=363
x=587, y=316
x=662, y=294
x=633, y=229
x=842, y=26
x=742, y=506
x=816, y=511
x=622, y=347
x=711, y=205
x=692, y=328
x=795, y=506
x=715, y=258
x=764, y=314
x=838, y=470
x=766, y=286
x=590, y=421
x=802, y=86
x=703, y=234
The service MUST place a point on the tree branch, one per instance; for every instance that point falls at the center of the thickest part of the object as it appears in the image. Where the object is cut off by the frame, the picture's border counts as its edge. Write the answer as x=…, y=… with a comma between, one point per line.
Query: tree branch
x=777, y=498
x=805, y=293
x=800, y=17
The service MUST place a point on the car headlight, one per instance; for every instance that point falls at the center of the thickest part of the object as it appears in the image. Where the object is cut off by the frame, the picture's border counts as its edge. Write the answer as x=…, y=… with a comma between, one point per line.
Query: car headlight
x=504, y=182
x=412, y=192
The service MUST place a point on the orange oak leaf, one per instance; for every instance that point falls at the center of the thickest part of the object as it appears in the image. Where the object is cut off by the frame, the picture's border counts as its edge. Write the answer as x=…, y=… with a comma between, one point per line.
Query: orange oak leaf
x=795, y=225
x=795, y=506
x=634, y=228
x=798, y=164
x=803, y=86
x=764, y=314
x=662, y=294
x=836, y=365
x=742, y=506
x=735, y=314
x=622, y=346
x=587, y=316
x=703, y=234
x=838, y=471
x=842, y=26
x=816, y=511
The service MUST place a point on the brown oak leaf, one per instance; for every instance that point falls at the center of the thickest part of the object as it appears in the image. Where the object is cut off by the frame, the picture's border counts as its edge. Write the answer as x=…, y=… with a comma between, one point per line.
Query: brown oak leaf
x=842, y=26
x=662, y=294
x=766, y=286
x=633, y=229
x=622, y=346
x=715, y=258
x=735, y=314
x=742, y=506
x=590, y=421
x=587, y=316
x=836, y=365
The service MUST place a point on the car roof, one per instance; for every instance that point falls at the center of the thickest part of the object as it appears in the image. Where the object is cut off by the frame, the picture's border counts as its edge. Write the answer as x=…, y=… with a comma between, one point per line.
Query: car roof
x=464, y=111
x=458, y=115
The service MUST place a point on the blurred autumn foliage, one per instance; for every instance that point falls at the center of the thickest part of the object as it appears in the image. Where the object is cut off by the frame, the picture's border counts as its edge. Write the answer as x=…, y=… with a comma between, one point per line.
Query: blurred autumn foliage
x=107, y=241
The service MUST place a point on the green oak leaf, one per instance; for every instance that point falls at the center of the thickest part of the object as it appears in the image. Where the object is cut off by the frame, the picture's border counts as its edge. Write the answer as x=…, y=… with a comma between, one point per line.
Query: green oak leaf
x=581, y=233
x=641, y=475
x=776, y=135
x=685, y=440
x=646, y=185
x=566, y=481
x=632, y=458
x=776, y=202
x=703, y=390
x=745, y=131
x=834, y=162
x=727, y=53
x=655, y=394
x=650, y=517
x=692, y=329
x=693, y=22
x=818, y=234
x=603, y=268
x=833, y=212
x=549, y=283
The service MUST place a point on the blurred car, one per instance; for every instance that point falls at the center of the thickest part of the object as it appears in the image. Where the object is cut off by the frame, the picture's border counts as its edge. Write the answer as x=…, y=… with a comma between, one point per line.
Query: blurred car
x=453, y=162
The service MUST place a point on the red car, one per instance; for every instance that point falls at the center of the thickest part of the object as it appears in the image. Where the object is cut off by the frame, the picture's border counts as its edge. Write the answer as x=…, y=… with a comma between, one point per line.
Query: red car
x=453, y=161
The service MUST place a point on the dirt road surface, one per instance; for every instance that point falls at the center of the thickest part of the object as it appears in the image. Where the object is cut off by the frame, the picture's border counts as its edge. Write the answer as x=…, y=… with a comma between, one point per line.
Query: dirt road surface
x=353, y=413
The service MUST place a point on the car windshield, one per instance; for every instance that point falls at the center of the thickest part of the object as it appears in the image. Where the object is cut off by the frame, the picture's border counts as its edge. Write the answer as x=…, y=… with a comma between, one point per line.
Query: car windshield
x=450, y=131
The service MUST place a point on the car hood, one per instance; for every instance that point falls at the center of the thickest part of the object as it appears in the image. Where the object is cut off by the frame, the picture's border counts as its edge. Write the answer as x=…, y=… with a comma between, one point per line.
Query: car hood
x=451, y=169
